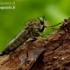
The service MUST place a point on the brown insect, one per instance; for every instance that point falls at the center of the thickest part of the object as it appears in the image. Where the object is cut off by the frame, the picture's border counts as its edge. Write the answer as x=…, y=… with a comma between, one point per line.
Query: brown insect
x=32, y=29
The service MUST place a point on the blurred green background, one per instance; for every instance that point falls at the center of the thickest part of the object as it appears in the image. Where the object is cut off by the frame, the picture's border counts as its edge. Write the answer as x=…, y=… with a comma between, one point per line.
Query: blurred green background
x=12, y=21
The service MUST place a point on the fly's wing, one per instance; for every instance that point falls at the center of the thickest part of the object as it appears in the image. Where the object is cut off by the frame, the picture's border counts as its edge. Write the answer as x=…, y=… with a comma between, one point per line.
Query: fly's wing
x=13, y=44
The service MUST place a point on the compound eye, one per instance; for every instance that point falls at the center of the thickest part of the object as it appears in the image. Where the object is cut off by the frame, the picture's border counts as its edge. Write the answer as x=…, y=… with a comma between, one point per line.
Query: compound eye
x=41, y=19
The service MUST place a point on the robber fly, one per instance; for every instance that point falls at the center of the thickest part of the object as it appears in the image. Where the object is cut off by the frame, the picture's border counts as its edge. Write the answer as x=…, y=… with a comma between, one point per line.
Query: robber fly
x=32, y=29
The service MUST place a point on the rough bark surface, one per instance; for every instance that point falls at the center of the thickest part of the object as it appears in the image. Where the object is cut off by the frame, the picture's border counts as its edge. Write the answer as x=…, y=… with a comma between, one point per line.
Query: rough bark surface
x=51, y=53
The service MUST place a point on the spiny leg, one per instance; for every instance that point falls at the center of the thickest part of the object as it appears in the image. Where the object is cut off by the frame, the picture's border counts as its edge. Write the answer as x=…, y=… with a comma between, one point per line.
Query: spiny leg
x=31, y=39
x=52, y=26
x=26, y=58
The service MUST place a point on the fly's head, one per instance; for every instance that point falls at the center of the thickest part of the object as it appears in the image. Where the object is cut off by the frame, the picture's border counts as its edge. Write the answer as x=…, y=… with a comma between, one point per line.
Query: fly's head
x=42, y=23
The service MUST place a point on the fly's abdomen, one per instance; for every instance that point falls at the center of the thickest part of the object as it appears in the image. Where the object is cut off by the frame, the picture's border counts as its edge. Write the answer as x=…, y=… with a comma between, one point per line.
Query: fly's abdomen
x=12, y=46
x=15, y=43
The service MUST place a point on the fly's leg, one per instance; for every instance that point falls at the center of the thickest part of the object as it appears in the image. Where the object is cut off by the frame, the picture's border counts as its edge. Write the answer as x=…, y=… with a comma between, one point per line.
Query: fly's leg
x=52, y=26
x=27, y=49
x=26, y=58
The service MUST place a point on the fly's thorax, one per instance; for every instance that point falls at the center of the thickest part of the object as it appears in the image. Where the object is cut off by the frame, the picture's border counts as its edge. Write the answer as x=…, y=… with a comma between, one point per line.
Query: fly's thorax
x=35, y=24
x=33, y=27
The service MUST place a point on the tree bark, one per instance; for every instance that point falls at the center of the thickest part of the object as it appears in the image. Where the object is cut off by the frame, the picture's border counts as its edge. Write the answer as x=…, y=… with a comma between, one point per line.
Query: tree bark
x=50, y=53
